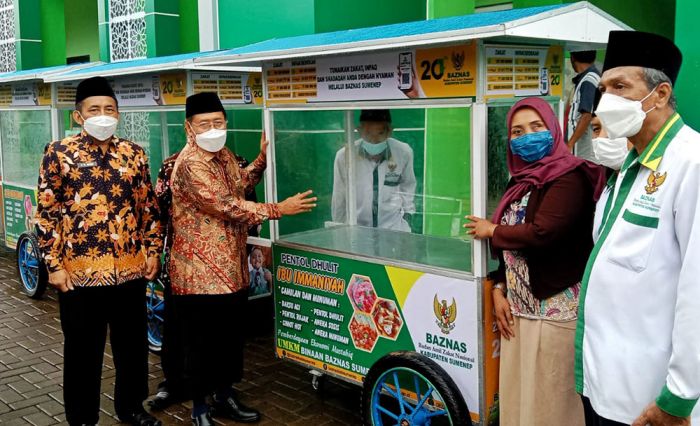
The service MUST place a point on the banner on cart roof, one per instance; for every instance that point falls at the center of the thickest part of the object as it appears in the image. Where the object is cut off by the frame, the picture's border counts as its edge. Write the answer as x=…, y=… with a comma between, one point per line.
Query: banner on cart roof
x=151, y=90
x=138, y=91
x=440, y=72
x=524, y=71
x=341, y=316
x=65, y=93
x=25, y=94
x=232, y=88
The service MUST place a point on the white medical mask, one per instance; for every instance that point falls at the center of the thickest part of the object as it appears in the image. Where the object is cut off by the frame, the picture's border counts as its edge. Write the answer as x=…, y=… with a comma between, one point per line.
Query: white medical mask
x=101, y=127
x=621, y=117
x=374, y=148
x=610, y=153
x=212, y=140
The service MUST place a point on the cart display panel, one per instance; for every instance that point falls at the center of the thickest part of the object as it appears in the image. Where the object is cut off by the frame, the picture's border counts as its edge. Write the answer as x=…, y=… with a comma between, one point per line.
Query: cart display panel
x=341, y=316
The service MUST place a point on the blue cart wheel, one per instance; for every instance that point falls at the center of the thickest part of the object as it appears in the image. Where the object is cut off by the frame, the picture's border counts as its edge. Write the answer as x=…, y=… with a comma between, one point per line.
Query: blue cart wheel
x=408, y=389
x=30, y=266
x=155, y=307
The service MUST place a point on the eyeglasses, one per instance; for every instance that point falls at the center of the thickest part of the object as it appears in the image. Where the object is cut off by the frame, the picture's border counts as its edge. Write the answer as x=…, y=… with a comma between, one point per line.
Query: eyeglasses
x=205, y=126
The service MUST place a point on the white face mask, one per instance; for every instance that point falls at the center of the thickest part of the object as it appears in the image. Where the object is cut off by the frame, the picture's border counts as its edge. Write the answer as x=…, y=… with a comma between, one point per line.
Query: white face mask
x=610, y=153
x=212, y=140
x=621, y=117
x=101, y=127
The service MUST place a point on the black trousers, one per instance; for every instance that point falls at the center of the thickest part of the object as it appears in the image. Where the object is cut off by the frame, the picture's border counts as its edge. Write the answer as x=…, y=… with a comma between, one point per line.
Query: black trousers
x=593, y=419
x=171, y=355
x=212, y=333
x=86, y=313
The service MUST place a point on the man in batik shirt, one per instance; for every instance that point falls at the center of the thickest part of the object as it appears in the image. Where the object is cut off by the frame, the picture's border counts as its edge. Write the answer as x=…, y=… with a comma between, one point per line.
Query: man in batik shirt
x=99, y=232
x=208, y=265
x=171, y=389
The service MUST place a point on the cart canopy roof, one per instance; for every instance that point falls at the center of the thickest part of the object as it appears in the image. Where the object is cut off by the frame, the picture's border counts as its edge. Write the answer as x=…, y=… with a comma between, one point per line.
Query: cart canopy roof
x=42, y=73
x=580, y=26
x=140, y=66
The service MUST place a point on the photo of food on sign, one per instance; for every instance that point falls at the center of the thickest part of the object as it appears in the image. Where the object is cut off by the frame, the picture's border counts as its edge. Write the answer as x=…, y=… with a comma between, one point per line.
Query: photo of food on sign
x=387, y=318
x=361, y=293
x=363, y=332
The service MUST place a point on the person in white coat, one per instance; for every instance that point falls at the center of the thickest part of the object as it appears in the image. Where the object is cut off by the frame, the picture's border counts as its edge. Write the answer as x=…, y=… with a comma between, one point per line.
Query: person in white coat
x=385, y=183
x=638, y=333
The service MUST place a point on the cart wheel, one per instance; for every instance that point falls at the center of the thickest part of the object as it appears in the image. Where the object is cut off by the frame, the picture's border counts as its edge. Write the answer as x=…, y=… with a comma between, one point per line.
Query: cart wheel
x=155, y=307
x=30, y=266
x=407, y=389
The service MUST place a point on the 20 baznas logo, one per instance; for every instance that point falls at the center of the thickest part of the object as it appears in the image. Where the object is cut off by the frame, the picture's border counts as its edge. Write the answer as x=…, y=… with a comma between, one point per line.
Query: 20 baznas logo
x=446, y=315
x=654, y=181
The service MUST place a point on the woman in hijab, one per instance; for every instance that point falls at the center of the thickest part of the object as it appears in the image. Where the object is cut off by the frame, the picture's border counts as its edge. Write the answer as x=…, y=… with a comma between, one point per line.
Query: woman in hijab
x=541, y=233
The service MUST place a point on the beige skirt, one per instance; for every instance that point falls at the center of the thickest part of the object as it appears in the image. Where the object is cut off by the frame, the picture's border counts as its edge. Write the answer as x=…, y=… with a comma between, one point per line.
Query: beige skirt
x=536, y=380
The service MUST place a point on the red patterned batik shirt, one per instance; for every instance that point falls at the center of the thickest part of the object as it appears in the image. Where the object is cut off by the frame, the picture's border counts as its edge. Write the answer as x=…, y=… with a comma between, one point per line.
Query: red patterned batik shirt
x=211, y=219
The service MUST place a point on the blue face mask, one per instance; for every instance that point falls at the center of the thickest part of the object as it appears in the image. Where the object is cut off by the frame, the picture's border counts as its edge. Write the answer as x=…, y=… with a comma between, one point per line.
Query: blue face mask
x=532, y=146
x=374, y=148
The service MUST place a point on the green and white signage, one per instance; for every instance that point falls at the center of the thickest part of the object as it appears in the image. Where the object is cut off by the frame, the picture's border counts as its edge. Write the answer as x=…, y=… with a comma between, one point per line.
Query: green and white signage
x=341, y=316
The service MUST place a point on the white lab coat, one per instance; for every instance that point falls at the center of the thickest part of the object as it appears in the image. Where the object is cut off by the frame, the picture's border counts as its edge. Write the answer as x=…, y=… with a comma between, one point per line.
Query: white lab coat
x=396, y=186
x=640, y=328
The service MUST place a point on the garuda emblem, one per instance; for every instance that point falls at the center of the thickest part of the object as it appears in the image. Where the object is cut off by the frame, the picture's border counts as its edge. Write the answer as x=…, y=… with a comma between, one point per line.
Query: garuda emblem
x=446, y=315
x=654, y=181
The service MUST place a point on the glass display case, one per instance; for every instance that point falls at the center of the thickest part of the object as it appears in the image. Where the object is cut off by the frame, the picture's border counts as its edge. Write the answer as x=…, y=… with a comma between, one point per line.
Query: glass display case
x=404, y=201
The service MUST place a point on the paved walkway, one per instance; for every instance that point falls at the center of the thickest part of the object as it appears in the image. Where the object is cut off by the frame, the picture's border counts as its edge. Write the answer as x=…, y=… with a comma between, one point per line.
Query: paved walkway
x=31, y=363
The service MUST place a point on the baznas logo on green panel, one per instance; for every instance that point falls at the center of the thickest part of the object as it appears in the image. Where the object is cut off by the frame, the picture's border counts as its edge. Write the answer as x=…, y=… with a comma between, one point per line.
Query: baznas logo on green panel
x=446, y=315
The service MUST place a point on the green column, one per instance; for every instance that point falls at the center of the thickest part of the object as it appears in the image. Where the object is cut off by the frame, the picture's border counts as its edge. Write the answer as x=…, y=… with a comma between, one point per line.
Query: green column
x=103, y=29
x=688, y=85
x=162, y=27
x=28, y=34
x=189, y=26
x=53, y=32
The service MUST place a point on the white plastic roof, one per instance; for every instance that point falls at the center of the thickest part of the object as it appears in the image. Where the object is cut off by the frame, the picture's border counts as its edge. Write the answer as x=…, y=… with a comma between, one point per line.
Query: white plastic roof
x=579, y=25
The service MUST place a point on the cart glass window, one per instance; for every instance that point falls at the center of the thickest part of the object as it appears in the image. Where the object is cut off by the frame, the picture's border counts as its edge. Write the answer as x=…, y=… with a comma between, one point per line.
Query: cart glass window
x=174, y=121
x=24, y=134
x=244, y=131
x=397, y=191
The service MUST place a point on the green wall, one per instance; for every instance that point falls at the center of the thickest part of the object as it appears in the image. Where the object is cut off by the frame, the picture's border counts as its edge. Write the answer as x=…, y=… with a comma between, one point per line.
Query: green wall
x=334, y=15
x=445, y=8
x=688, y=86
x=242, y=23
x=189, y=26
x=81, y=29
x=655, y=16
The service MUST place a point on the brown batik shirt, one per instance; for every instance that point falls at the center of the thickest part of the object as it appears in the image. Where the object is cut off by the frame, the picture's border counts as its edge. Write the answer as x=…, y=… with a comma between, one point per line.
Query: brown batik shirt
x=97, y=216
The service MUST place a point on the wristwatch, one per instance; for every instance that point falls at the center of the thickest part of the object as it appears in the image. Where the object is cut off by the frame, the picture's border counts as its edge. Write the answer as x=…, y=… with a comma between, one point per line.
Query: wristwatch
x=500, y=286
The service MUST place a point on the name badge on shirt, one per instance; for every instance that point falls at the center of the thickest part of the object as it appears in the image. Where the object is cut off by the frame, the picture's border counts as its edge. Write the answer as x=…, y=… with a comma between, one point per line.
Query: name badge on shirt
x=84, y=165
x=392, y=179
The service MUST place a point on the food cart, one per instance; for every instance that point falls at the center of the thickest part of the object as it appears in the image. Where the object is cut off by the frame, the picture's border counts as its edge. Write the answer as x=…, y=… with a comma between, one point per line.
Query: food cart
x=404, y=313
x=27, y=124
x=151, y=94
